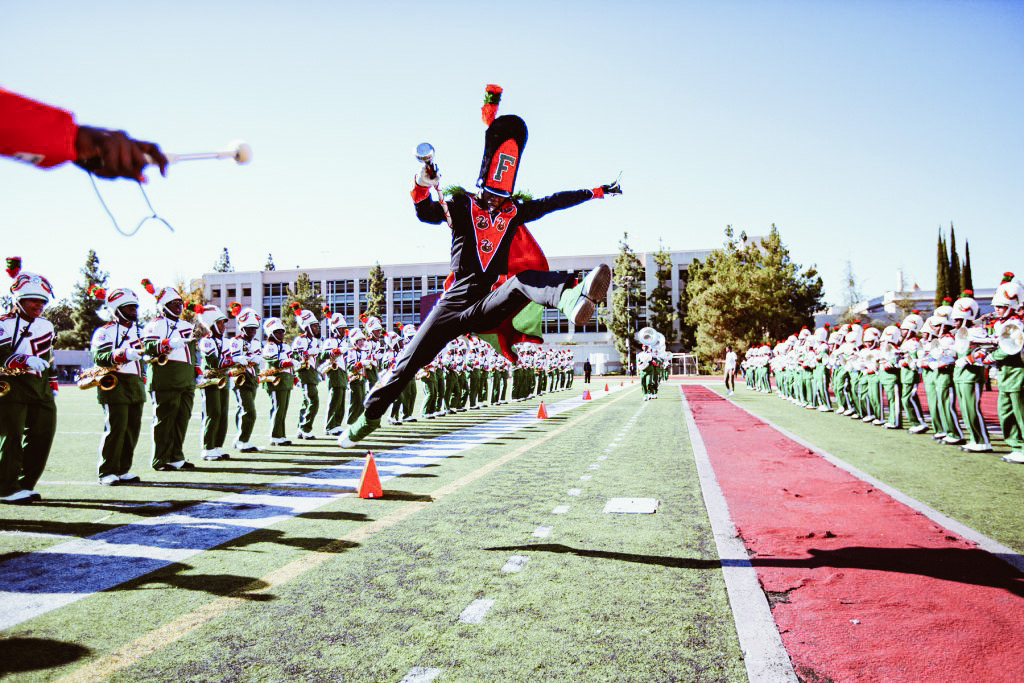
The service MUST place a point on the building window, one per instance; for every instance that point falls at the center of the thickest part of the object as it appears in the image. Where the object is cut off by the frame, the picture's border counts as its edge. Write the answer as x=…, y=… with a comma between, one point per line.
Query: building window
x=364, y=287
x=274, y=296
x=435, y=283
x=341, y=298
x=247, y=291
x=554, y=322
x=215, y=293
x=405, y=293
x=231, y=292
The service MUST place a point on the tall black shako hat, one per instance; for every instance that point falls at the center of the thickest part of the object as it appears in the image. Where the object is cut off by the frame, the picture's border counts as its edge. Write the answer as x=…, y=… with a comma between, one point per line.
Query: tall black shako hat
x=504, y=142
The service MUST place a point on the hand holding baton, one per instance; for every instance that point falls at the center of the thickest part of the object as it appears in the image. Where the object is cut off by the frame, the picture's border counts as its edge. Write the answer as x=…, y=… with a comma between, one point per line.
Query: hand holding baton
x=425, y=153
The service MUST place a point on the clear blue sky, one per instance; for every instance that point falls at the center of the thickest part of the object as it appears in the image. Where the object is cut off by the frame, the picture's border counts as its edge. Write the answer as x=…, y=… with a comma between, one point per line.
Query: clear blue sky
x=858, y=128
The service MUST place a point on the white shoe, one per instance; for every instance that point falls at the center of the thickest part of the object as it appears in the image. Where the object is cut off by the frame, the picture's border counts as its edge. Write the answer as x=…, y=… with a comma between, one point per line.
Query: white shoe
x=918, y=429
x=130, y=478
x=595, y=289
x=976, y=447
x=18, y=498
x=878, y=423
x=1016, y=458
x=110, y=480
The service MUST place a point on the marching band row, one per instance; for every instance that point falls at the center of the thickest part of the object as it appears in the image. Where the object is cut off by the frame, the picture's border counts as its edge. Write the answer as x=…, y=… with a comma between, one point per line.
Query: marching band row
x=169, y=359
x=953, y=352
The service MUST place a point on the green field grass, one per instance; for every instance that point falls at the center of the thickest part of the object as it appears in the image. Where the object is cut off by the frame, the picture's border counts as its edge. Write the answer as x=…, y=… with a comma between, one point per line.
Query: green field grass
x=603, y=597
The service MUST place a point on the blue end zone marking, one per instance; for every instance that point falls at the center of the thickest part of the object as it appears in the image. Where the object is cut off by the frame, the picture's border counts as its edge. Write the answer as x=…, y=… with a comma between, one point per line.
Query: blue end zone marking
x=53, y=572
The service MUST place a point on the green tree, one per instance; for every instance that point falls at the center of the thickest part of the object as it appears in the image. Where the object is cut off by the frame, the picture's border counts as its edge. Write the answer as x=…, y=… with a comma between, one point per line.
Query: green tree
x=966, y=275
x=84, y=314
x=941, y=272
x=60, y=315
x=745, y=294
x=953, y=280
x=269, y=265
x=660, y=312
x=627, y=288
x=376, y=292
x=304, y=294
x=687, y=332
x=223, y=264
x=852, y=295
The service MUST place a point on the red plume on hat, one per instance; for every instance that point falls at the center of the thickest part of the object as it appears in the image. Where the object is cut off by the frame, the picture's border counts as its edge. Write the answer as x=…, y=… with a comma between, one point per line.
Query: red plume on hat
x=947, y=300
x=95, y=290
x=363, y=318
x=969, y=292
x=234, y=308
x=13, y=265
x=326, y=309
x=1007, y=276
x=148, y=286
x=492, y=98
x=296, y=308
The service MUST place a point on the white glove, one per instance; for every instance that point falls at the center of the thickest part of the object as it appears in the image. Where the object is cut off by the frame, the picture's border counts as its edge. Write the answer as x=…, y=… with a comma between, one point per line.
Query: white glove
x=176, y=343
x=37, y=364
x=131, y=354
x=424, y=180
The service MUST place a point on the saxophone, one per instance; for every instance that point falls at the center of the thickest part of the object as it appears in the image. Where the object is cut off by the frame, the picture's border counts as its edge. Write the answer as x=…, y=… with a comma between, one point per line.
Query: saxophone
x=6, y=386
x=97, y=376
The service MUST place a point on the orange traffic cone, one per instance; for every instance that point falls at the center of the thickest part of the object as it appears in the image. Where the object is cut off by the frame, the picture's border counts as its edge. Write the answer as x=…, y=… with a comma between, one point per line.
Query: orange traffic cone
x=586, y=394
x=606, y=388
x=369, y=483
x=542, y=413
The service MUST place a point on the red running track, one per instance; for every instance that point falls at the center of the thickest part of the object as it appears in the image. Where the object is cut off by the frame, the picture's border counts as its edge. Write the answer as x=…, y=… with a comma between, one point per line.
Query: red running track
x=864, y=588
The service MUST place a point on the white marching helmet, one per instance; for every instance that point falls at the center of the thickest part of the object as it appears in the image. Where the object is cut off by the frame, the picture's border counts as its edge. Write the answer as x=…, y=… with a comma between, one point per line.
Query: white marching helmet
x=965, y=308
x=821, y=334
x=932, y=324
x=210, y=315
x=248, y=318
x=372, y=324
x=304, y=318
x=1008, y=294
x=855, y=335
x=356, y=336
x=408, y=331
x=944, y=311
x=337, y=322
x=913, y=322
x=804, y=333
x=122, y=296
x=871, y=334
x=271, y=325
x=31, y=286
x=891, y=334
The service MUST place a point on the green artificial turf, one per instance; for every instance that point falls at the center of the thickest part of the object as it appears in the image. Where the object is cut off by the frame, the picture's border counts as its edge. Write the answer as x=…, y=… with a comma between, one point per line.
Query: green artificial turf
x=603, y=597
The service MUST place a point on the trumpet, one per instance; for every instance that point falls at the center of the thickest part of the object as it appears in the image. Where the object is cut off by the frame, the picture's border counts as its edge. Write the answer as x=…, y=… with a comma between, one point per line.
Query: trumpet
x=159, y=359
x=329, y=365
x=97, y=376
x=6, y=386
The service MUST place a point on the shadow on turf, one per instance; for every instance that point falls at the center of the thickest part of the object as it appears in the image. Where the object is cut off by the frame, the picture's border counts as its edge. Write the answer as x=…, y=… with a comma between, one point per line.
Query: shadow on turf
x=678, y=562
x=31, y=654
x=970, y=566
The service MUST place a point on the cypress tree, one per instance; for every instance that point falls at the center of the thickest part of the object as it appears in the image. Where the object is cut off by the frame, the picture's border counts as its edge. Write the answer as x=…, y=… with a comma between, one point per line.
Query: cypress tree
x=965, y=275
x=941, y=272
x=953, y=282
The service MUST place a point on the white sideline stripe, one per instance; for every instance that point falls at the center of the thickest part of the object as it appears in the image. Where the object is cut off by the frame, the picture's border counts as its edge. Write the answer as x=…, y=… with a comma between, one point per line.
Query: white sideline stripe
x=560, y=510
x=34, y=534
x=542, y=531
x=515, y=563
x=420, y=674
x=19, y=607
x=764, y=656
x=1004, y=553
x=476, y=611
x=84, y=546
